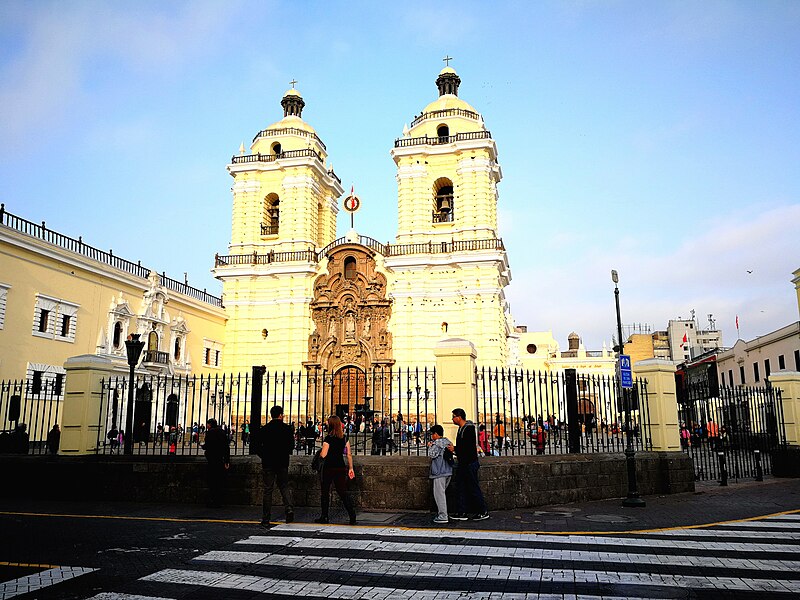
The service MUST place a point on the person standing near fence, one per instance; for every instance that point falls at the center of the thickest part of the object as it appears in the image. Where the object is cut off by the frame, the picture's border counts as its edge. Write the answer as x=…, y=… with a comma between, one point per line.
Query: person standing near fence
x=466, y=473
x=274, y=443
x=441, y=470
x=218, y=457
x=334, y=449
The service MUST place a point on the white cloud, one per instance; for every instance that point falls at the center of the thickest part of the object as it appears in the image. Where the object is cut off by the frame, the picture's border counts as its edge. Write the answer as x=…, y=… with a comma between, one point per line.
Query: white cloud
x=707, y=271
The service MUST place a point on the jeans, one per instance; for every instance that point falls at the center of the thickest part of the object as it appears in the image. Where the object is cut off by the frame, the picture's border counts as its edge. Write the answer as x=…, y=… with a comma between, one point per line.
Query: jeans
x=439, y=494
x=469, y=492
x=271, y=475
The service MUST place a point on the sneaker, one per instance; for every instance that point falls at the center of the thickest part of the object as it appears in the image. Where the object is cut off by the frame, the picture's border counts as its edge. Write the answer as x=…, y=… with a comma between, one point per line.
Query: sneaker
x=438, y=520
x=266, y=525
x=290, y=516
x=459, y=517
x=481, y=517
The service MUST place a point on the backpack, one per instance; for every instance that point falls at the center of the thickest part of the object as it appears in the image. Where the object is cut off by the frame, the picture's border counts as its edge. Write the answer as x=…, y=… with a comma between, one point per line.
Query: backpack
x=449, y=458
x=317, y=462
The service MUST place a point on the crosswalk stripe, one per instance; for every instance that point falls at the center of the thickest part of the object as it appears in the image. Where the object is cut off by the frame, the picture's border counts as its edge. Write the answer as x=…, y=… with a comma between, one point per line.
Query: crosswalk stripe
x=610, y=553
x=305, y=560
x=410, y=569
x=42, y=579
x=612, y=543
x=763, y=525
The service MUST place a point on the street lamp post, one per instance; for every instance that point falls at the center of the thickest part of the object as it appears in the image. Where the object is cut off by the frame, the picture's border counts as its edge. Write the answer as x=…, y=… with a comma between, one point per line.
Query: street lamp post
x=133, y=346
x=633, y=499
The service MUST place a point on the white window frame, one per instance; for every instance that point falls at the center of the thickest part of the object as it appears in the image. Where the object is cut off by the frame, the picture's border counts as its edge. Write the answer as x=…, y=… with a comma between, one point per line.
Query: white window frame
x=4, y=287
x=210, y=350
x=58, y=309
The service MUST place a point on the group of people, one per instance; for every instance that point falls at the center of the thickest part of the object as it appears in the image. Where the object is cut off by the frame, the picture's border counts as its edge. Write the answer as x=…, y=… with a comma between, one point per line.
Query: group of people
x=18, y=441
x=457, y=462
x=714, y=434
x=274, y=443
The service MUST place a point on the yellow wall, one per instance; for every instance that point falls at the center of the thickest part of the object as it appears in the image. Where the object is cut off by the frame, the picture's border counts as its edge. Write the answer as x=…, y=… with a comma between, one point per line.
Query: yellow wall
x=639, y=347
x=31, y=266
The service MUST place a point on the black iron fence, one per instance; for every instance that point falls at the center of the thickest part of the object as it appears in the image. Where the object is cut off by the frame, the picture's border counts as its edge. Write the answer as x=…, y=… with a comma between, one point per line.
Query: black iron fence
x=170, y=413
x=30, y=411
x=534, y=412
x=385, y=411
x=730, y=432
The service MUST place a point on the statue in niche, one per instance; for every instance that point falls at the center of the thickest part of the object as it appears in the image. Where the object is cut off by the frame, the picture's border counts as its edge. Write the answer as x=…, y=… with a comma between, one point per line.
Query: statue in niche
x=332, y=328
x=349, y=327
x=367, y=325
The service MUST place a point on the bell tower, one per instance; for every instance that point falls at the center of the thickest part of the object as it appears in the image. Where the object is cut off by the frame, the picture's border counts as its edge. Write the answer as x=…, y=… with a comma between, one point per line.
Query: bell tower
x=284, y=212
x=449, y=266
x=284, y=194
x=447, y=171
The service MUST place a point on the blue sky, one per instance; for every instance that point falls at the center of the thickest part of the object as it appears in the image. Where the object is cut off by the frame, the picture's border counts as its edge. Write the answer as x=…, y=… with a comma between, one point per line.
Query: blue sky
x=661, y=139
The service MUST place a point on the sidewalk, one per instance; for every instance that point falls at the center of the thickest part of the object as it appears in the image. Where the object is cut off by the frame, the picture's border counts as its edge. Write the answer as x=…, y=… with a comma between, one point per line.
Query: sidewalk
x=710, y=503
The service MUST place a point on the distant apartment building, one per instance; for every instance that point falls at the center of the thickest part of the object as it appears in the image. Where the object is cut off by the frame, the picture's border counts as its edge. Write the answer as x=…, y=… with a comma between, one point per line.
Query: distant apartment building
x=683, y=340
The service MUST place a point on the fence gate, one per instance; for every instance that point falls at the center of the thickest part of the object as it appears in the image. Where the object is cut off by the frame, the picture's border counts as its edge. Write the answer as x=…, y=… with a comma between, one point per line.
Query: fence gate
x=740, y=425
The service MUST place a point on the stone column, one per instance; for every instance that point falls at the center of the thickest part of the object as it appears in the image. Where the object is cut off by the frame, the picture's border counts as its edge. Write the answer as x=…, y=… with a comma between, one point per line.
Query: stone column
x=662, y=402
x=455, y=382
x=83, y=399
x=788, y=382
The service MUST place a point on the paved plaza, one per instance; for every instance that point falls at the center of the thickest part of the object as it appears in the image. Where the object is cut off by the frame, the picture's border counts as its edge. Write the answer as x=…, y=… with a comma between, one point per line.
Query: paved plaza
x=739, y=542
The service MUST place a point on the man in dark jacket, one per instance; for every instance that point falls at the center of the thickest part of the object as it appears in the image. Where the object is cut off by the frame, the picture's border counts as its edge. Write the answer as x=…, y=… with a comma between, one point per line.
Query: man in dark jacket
x=466, y=473
x=218, y=455
x=274, y=443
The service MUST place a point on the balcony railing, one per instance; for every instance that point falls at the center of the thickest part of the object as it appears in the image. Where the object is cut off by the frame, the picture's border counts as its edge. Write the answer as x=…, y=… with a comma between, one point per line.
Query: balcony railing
x=155, y=356
x=443, y=217
x=269, y=229
x=385, y=249
x=252, y=158
x=78, y=247
x=441, y=139
x=447, y=112
x=289, y=131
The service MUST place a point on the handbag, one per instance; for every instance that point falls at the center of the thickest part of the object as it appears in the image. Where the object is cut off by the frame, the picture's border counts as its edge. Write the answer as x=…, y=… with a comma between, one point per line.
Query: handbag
x=317, y=462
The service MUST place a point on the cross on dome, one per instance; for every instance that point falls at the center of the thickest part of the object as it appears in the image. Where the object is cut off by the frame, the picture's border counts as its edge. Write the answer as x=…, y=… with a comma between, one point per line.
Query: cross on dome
x=292, y=83
x=447, y=58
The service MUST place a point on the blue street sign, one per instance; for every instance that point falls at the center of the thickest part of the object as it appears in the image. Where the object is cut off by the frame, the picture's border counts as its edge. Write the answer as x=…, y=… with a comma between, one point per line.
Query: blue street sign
x=625, y=374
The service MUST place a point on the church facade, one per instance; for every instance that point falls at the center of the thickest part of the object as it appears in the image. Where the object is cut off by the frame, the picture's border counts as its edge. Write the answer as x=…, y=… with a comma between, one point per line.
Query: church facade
x=297, y=296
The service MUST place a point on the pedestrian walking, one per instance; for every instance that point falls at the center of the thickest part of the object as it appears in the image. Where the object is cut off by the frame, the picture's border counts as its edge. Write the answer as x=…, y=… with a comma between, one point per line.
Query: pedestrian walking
x=441, y=471
x=335, y=447
x=470, y=496
x=274, y=443
x=54, y=439
x=218, y=457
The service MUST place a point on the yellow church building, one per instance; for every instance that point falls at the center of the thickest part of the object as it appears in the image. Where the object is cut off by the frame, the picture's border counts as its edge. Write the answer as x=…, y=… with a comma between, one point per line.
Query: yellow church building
x=298, y=295
x=294, y=295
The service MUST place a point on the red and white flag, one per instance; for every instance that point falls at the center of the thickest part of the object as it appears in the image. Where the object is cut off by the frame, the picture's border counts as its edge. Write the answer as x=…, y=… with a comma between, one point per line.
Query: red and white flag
x=737, y=322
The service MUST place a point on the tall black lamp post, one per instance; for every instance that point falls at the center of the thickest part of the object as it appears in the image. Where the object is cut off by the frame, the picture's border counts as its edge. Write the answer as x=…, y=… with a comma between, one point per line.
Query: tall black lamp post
x=133, y=346
x=633, y=498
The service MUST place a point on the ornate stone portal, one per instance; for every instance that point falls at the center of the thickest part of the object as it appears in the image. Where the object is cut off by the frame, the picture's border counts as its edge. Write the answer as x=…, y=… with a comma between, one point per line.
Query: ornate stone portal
x=351, y=314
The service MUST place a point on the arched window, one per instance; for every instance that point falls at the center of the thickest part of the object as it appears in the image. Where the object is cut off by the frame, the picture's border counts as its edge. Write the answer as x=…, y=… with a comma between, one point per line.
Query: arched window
x=443, y=201
x=177, y=352
x=443, y=131
x=349, y=268
x=152, y=341
x=272, y=216
x=117, y=335
x=276, y=149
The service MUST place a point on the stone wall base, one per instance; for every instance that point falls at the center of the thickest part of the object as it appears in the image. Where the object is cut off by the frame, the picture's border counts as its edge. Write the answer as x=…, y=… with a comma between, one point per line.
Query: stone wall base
x=381, y=483
x=786, y=461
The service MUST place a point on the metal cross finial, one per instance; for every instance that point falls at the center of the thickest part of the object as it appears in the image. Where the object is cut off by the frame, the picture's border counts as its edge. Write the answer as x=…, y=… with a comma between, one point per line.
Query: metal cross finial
x=447, y=60
x=292, y=82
